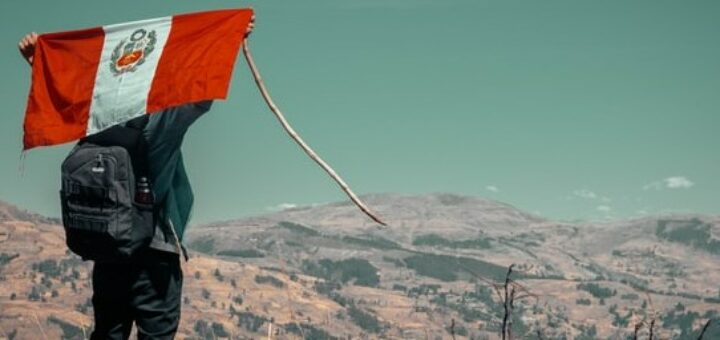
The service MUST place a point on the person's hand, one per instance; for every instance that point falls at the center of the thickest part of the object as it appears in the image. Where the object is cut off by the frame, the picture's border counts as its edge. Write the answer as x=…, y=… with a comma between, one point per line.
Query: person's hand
x=27, y=46
x=251, y=25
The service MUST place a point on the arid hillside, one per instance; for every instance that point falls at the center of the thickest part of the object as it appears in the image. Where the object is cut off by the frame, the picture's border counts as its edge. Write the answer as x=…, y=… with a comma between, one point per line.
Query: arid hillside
x=45, y=292
x=325, y=272
x=447, y=253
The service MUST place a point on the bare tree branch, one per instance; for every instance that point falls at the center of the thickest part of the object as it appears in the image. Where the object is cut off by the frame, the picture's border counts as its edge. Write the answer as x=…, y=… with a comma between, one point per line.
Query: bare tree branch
x=507, y=304
x=652, y=327
x=452, y=328
x=636, y=330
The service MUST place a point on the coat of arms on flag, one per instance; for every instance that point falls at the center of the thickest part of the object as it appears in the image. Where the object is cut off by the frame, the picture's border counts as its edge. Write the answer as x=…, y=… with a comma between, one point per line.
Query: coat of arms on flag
x=130, y=53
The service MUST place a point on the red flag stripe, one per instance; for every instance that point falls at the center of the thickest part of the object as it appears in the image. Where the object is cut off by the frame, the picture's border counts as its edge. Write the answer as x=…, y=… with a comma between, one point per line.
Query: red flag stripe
x=63, y=77
x=198, y=58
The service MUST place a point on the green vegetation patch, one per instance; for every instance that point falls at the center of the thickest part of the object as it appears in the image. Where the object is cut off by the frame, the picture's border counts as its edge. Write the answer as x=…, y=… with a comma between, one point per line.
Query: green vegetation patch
x=49, y=267
x=630, y=296
x=395, y=261
x=448, y=268
x=468, y=308
x=298, y=228
x=618, y=319
x=693, y=232
x=596, y=290
x=439, y=241
x=424, y=289
x=376, y=242
x=69, y=331
x=587, y=332
x=309, y=331
x=360, y=270
x=6, y=258
x=269, y=279
x=245, y=253
x=250, y=321
x=212, y=330
x=712, y=299
x=364, y=320
x=585, y=302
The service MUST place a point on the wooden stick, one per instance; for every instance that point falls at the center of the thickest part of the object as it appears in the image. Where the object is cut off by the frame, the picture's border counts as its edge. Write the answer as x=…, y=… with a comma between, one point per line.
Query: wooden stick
x=704, y=329
x=299, y=141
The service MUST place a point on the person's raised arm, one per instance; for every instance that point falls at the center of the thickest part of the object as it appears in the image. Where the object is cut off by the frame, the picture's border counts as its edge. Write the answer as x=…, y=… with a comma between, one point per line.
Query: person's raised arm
x=27, y=46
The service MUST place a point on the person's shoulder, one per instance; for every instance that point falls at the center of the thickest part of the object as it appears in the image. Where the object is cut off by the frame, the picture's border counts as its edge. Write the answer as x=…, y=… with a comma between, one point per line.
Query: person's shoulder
x=172, y=123
x=195, y=107
x=203, y=105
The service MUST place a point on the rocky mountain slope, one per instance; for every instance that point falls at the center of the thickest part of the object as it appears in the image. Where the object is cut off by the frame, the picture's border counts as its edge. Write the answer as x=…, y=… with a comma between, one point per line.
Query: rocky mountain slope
x=45, y=292
x=445, y=252
x=326, y=271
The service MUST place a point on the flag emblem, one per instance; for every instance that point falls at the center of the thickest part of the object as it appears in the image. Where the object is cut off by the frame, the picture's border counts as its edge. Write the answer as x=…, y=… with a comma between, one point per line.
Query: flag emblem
x=131, y=52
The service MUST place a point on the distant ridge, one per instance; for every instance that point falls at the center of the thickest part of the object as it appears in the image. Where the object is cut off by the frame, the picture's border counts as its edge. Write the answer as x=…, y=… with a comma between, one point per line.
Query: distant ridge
x=9, y=212
x=460, y=214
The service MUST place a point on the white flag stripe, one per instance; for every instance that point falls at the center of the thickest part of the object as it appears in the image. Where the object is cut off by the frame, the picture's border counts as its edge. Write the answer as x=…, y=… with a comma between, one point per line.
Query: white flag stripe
x=121, y=89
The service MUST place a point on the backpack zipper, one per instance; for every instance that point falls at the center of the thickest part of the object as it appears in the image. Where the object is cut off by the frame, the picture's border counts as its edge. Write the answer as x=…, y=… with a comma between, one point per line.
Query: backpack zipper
x=99, y=166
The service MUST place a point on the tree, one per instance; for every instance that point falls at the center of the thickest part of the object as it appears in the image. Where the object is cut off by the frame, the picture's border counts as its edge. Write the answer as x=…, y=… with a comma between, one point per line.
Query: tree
x=238, y=299
x=34, y=295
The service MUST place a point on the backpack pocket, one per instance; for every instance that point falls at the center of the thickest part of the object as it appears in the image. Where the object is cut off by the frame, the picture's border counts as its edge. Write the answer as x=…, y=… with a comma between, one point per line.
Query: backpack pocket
x=88, y=236
x=86, y=223
x=93, y=200
x=139, y=235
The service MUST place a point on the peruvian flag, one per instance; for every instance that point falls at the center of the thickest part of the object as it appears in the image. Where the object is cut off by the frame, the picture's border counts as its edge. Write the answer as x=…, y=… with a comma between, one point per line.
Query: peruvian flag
x=88, y=80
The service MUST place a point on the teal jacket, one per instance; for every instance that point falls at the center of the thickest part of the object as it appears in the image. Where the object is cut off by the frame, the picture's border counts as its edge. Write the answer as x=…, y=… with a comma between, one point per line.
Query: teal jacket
x=164, y=133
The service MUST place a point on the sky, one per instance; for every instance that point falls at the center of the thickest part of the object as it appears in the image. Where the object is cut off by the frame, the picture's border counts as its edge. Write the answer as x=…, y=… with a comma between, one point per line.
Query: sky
x=574, y=110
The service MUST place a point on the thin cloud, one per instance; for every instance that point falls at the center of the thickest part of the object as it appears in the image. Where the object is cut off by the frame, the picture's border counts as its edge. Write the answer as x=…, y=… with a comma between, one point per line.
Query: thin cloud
x=583, y=193
x=674, y=182
x=590, y=195
x=282, y=206
x=492, y=188
x=603, y=208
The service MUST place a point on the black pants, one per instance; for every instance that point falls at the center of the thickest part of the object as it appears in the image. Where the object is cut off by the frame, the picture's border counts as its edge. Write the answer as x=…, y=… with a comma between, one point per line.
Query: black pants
x=146, y=291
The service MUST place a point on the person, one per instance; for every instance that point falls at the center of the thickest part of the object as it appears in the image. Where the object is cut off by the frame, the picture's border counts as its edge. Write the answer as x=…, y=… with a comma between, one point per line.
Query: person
x=147, y=291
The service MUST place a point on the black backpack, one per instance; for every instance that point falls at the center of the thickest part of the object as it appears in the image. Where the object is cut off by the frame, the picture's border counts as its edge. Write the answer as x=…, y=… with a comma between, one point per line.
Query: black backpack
x=102, y=219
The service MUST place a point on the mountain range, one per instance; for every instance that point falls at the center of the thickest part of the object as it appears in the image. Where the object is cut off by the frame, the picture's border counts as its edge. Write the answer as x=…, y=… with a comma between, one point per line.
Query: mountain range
x=436, y=271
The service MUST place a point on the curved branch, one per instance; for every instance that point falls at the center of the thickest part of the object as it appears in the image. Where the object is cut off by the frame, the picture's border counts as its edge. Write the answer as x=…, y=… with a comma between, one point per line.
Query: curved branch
x=290, y=131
